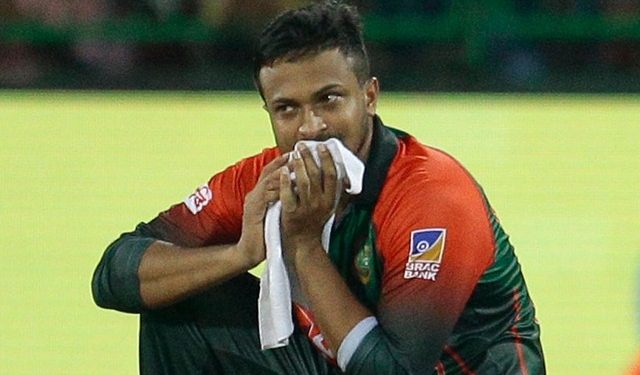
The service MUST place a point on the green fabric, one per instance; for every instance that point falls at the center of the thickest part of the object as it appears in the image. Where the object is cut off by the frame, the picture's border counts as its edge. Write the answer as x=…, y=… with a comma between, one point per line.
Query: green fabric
x=499, y=311
x=115, y=283
x=352, y=250
x=215, y=332
x=352, y=247
x=375, y=356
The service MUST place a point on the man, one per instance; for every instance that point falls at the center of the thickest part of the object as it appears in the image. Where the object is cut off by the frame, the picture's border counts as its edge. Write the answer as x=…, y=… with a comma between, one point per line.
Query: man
x=419, y=276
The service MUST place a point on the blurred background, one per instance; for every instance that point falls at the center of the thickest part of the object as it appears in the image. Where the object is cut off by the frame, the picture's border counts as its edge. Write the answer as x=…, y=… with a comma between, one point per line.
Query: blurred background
x=444, y=45
x=111, y=110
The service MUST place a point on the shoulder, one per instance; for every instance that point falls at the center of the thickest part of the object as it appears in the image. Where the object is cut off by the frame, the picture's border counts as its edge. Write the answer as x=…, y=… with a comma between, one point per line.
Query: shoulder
x=428, y=190
x=232, y=184
x=420, y=174
x=256, y=162
x=247, y=170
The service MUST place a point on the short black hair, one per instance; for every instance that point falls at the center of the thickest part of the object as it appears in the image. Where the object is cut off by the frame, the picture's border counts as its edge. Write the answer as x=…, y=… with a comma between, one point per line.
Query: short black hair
x=310, y=30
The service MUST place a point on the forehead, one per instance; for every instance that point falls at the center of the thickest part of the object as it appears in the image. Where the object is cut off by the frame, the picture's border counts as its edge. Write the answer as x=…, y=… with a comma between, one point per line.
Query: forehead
x=306, y=75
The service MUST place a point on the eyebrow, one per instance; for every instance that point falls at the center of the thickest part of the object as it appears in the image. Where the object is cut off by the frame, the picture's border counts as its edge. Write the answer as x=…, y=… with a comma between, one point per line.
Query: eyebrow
x=315, y=95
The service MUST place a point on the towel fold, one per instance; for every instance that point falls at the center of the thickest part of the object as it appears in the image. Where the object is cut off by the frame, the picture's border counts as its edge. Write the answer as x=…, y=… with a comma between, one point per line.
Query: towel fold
x=274, y=302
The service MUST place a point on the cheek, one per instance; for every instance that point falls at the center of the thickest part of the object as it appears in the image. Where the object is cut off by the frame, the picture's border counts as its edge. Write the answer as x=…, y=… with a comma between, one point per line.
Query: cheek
x=284, y=136
x=356, y=117
x=351, y=125
x=346, y=116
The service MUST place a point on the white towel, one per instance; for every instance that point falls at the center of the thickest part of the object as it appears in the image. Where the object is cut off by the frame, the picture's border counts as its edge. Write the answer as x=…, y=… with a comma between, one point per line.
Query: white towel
x=274, y=303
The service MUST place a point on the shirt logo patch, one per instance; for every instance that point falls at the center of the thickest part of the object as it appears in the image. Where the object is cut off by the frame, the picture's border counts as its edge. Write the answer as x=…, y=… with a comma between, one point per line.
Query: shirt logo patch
x=199, y=199
x=362, y=263
x=425, y=255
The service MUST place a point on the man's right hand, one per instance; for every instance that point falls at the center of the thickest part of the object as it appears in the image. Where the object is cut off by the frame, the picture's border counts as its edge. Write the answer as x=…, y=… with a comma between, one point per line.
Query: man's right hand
x=251, y=245
x=169, y=273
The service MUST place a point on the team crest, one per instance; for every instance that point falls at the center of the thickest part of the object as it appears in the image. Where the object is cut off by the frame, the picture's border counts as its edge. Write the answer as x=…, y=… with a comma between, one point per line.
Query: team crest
x=199, y=199
x=425, y=255
x=362, y=263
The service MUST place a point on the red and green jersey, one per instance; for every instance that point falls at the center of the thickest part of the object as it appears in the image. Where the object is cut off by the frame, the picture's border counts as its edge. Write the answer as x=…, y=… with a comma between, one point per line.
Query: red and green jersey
x=420, y=247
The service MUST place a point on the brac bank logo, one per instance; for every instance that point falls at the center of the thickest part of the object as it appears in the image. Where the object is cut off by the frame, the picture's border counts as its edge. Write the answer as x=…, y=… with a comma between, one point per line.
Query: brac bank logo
x=425, y=255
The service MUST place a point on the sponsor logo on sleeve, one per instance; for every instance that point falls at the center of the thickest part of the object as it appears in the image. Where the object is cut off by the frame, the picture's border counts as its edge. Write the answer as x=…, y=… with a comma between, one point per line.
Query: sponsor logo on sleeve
x=199, y=199
x=425, y=255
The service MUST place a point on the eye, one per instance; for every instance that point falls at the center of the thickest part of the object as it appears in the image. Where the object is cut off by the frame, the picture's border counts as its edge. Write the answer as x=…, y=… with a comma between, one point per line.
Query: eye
x=283, y=109
x=331, y=98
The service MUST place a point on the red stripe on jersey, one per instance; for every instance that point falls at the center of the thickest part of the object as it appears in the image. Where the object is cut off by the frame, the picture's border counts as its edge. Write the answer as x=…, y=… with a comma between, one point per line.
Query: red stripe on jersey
x=517, y=306
x=307, y=324
x=459, y=361
x=440, y=368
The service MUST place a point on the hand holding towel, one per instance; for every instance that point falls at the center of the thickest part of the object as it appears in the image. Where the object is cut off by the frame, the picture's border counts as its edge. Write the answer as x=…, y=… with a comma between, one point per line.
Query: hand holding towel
x=274, y=303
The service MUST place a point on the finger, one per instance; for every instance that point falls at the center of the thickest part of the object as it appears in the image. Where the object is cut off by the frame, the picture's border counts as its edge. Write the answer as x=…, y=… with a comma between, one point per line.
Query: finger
x=269, y=188
x=272, y=182
x=287, y=196
x=269, y=180
x=271, y=196
x=313, y=172
x=302, y=178
x=272, y=167
x=329, y=172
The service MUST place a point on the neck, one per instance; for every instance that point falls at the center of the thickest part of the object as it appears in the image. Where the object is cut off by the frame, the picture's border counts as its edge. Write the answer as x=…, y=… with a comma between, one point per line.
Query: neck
x=363, y=154
x=363, y=151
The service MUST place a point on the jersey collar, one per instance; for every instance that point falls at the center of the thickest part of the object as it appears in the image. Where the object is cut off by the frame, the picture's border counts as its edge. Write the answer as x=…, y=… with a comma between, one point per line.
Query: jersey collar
x=384, y=145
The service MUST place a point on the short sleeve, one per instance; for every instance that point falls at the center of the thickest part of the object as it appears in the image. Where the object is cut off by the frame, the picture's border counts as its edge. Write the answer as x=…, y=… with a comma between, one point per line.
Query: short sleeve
x=212, y=213
x=436, y=241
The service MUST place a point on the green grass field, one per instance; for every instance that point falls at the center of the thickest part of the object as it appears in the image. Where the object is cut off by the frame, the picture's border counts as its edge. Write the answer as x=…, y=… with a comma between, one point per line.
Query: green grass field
x=563, y=173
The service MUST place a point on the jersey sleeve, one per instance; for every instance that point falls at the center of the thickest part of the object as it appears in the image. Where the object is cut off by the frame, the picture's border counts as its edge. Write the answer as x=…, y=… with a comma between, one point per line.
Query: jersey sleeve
x=212, y=214
x=435, y=238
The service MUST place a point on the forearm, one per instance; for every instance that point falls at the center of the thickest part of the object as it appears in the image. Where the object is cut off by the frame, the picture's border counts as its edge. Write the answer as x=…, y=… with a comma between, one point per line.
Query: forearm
x=335, y=308
x=337, y=312
x=138, y=272
x=169, y=273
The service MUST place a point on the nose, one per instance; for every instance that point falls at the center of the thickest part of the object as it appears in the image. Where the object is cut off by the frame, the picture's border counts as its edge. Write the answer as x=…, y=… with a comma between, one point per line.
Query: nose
x=312, y=125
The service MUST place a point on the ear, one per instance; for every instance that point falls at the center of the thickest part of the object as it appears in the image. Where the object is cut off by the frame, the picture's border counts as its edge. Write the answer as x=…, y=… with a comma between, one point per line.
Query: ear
x=372, y=90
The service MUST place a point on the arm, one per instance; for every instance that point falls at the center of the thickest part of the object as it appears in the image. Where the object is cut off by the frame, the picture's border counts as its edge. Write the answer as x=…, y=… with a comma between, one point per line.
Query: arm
x=140, y=270
x=415, y=315
x=335, y=308
x=304, y=213
x=422, y=314
x=168, y=273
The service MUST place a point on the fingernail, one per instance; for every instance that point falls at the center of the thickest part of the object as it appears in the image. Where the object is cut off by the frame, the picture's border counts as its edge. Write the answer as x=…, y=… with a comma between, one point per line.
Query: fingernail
x=322, y=147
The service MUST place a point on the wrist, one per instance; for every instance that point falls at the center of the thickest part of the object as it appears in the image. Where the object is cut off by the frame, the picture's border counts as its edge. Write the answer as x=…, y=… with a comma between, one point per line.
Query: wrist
x=308, y=252
x=306, y=245
x=246, y=259
x=300, y=243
